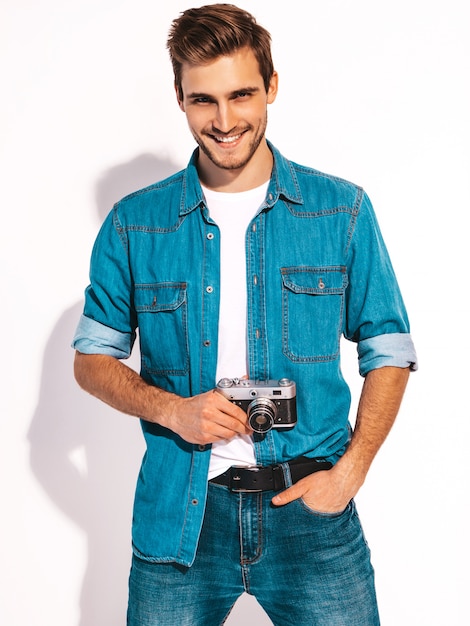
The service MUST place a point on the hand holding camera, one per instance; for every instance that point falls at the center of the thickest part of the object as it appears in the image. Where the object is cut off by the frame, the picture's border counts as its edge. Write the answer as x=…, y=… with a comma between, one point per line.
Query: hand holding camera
x=268, y=404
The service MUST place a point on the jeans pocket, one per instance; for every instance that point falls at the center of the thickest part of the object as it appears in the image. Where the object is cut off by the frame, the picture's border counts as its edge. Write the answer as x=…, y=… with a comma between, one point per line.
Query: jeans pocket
x=324, y=514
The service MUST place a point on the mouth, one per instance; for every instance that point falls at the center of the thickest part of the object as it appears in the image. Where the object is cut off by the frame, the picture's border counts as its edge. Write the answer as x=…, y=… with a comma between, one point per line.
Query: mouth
x=227, y=140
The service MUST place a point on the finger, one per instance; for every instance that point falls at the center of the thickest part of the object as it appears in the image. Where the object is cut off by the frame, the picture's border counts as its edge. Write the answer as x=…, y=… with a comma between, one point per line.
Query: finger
x=235, y=425
x=222, y=414
x=207, y=431
x=218, y=432
x=288, y=495
x=229, y=408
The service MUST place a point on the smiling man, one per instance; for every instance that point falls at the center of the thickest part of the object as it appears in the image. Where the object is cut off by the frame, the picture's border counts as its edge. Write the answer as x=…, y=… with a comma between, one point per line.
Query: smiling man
x=245, y=268
x=225, y=102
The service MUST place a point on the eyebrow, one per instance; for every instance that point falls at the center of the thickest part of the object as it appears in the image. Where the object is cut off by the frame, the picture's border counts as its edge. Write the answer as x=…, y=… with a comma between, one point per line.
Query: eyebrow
x=231, y=95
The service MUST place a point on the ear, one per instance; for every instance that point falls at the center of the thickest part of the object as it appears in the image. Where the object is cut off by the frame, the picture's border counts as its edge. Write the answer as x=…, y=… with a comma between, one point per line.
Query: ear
x=273, y=86
x=178, y=98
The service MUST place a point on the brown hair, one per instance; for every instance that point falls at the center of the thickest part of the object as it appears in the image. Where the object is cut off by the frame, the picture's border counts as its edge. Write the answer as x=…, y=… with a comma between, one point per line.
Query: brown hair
x=199, y=36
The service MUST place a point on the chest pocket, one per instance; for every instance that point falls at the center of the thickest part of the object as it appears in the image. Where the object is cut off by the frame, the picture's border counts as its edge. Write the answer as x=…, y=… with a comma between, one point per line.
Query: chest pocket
x=312, y=308
x=162, y=318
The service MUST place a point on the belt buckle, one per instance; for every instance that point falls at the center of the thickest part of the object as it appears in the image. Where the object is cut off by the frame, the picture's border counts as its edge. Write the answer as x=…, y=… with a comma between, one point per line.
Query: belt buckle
x=234, y=478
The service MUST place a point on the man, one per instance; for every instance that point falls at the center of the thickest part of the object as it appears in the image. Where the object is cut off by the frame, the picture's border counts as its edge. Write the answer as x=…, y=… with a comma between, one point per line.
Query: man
x=244, y=265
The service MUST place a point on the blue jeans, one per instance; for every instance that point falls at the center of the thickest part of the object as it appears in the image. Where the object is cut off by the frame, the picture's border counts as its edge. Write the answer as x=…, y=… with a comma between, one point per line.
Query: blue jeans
x=304, y=568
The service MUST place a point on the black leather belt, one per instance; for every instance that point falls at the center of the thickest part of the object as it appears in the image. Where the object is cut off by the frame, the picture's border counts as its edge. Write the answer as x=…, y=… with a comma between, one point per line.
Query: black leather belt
x=268, y=478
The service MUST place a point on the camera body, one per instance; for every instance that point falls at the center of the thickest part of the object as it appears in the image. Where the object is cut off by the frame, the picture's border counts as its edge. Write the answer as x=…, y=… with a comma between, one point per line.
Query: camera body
x=268, y=403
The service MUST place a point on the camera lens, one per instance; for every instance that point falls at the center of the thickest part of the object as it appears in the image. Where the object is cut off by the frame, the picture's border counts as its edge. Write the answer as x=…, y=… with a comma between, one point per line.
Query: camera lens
x=261, y=414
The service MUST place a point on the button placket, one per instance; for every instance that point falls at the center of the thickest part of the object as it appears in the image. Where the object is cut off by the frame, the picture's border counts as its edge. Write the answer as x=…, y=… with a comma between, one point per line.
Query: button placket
x=257, y=357
x=209, y=304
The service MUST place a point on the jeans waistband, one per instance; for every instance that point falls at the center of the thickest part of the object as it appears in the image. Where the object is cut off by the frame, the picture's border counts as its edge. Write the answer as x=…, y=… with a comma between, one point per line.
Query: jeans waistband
x=269, y=478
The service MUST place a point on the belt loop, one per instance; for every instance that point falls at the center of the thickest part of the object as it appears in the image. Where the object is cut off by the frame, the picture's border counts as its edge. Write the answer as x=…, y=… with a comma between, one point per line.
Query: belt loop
x=285, y=467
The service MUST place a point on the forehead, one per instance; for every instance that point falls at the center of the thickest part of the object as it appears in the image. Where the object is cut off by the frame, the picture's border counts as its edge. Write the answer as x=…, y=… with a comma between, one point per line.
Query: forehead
x=224, y=74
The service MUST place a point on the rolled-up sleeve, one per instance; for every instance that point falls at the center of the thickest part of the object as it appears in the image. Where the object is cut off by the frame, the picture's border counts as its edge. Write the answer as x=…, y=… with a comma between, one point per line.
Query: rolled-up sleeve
x=376, y=316
x=92, y=337
x=392, y=350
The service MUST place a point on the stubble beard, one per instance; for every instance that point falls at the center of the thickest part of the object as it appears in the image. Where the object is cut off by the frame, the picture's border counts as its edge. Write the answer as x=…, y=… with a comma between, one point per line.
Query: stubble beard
x=232, y=162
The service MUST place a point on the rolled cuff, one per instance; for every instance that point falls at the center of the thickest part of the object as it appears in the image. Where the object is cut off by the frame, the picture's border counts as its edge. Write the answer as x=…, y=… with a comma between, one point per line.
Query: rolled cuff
x=92, y=337
x=390, y=350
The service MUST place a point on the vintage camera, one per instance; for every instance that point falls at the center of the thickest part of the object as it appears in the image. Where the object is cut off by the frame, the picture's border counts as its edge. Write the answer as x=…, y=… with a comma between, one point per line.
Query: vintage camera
x=268, y=404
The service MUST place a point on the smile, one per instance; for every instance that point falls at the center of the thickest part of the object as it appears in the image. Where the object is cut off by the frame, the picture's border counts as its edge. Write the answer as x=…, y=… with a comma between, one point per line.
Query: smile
x=231, y=139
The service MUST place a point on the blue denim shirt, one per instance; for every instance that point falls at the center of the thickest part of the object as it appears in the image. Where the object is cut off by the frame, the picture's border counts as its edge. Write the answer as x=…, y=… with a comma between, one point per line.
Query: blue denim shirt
x=316, y=268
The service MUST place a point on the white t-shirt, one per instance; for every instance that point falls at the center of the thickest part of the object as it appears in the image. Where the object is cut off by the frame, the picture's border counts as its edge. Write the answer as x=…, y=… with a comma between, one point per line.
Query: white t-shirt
x=232, y=212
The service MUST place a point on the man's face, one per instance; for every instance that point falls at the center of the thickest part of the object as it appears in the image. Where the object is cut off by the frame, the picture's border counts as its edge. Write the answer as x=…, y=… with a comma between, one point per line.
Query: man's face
x=225, y=103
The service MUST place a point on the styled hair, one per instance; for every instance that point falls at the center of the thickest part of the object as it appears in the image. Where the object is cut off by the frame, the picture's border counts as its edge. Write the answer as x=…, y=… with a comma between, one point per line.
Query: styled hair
x=199, y=36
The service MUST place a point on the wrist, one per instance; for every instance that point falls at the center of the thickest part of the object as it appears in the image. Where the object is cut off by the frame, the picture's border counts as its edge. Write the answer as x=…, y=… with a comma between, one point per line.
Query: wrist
x=158, y=405
x=350, y=473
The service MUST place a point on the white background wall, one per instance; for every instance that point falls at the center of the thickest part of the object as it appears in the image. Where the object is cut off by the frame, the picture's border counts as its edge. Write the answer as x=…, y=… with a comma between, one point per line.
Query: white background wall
x=372, y=91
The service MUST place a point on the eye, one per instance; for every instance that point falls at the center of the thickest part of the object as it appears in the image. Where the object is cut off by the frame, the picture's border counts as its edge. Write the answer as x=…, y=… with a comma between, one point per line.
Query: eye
x=202, y=100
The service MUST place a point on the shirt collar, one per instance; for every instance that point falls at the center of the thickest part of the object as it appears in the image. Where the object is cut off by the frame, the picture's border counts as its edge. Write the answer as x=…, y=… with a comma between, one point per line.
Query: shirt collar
x=283, y=184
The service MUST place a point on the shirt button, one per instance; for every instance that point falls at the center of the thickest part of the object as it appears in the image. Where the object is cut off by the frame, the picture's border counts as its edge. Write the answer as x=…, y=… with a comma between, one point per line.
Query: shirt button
x=209, y=289
x=194, y=501
x=210, y=235
x=207, y=343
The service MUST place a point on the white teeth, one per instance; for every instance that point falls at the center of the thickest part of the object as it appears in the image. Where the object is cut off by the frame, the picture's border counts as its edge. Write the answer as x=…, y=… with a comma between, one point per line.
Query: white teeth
x=227, y=139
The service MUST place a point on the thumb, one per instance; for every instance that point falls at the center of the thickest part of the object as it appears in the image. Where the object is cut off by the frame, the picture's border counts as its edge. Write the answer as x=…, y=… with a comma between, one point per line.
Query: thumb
x=288, y=495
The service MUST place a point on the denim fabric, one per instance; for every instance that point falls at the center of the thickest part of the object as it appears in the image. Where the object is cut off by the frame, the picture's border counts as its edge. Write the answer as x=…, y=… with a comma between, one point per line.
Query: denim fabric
x=302, y=567
x=317, y=269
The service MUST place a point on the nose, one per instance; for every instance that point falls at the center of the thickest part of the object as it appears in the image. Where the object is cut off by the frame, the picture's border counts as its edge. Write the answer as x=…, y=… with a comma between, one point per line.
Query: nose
x=225, y=119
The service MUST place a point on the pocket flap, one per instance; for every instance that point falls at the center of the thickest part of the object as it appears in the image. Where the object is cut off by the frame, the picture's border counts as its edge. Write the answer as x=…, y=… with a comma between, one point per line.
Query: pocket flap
x=315, y=280
x=159, y=297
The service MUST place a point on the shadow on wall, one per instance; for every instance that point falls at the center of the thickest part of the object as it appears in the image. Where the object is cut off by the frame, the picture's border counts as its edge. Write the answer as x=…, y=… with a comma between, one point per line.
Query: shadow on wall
x=86, y=455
